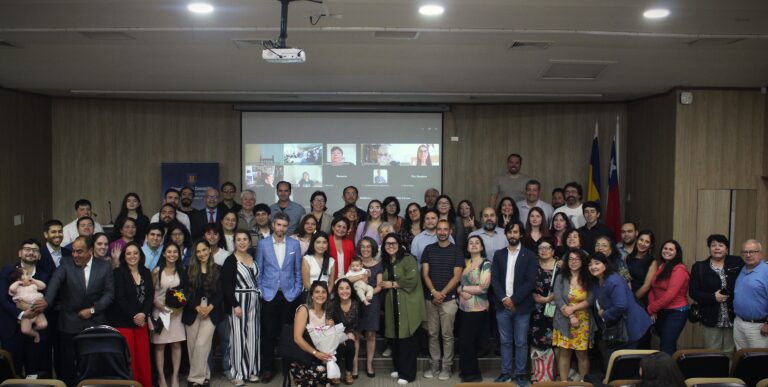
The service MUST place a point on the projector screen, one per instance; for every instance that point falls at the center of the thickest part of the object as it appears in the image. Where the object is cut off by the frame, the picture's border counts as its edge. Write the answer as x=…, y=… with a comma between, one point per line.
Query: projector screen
x=382, y=154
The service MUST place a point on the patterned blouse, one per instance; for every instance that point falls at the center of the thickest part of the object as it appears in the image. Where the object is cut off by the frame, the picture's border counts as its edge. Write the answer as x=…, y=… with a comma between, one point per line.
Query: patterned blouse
x=723, y=319
x=480, y=276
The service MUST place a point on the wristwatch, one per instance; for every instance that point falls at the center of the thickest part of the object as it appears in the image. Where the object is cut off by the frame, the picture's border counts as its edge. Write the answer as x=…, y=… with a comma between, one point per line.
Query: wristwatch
x=93, y=310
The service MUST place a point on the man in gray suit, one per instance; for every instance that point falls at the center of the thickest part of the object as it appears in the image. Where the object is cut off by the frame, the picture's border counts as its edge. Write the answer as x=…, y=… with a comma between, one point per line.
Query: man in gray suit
x=82, y=288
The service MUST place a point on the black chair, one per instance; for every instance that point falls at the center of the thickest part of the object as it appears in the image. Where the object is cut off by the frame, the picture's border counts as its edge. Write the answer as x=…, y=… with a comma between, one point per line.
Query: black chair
x=7, y=370
x=625, y=364
x=750, y=365
x=714, y=382
x=702, y=363
x=101, y=353
x=624, y=382
x=108, y=383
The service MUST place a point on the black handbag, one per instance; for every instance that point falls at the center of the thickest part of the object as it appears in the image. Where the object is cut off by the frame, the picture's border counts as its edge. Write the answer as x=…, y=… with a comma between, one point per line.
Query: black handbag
x=694, y=315
x=616, y=334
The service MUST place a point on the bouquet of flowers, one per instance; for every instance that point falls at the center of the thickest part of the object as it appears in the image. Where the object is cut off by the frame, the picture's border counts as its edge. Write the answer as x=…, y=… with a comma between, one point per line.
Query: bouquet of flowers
x=175, y=300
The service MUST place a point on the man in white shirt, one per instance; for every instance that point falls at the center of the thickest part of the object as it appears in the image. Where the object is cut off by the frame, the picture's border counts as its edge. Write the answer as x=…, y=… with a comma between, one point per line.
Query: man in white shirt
x=533, y=199
x=82, y=208
x=492, y=235
x=172, y=196
x=572, y=207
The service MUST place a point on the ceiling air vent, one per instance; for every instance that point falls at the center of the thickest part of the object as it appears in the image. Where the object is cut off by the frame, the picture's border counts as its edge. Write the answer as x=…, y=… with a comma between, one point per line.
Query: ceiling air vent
x=402, y=35
x=713, y=42
x=250, y=43
x=577, y=70
x=529, y=45
x=106, y=35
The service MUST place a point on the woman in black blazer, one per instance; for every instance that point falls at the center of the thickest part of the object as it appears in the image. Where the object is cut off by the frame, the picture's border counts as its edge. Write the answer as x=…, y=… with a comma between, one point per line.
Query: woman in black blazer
x=203, y=311
x=129, y=313
x=711, y=286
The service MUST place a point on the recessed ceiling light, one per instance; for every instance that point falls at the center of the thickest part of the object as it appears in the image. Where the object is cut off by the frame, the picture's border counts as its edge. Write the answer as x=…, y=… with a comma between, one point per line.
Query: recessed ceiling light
x=431, y=10
x=200, y=8
x=656, y=13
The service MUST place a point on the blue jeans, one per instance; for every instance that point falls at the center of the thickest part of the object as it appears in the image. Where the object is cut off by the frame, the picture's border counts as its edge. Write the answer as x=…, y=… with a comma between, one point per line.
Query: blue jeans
x=669, y=325
x=223, y=331
x=513, y=331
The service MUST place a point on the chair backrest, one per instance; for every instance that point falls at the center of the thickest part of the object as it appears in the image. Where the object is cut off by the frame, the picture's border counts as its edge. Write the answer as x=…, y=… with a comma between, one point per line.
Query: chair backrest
x=624, y=382
x=750, y=365
x=7, y=371
x=102, y=353
x=714, y=382
x=33, y=383
x=625, y=364
x=702, y=363
x=108, y=382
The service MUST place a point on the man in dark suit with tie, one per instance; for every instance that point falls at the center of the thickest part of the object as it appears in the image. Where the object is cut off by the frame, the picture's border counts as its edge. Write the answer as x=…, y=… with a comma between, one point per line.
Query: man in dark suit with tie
x=52, y=252
x=82, y=287
x=513, y=272
x=279, y=259
x=27, y=355
x=210, y=214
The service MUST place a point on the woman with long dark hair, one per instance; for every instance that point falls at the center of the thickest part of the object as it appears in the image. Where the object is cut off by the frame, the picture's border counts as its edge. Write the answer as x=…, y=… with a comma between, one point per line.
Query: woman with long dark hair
x=130, y=311
x=546, y=271
x=127, y=229
x=617, y=302
x=668, y=299
x=659, y=369
x=561, y=227
x=345, y=309
x=169, y=274
x=227, y=225
x=239, y=277
x=473, y=307
x=370, y=226
x=179, y=235
x=411, y=226
x=422, y=156
x=466, y=222
x=318, y=265
x=203, y=311
x=507, y=212
x=392, y=212
x=403, y=307
x=535, y=228
x=304, y=232
x=574, y=328
x=131, y=208
x=606, y=246
x=340, y=247
x=310, y=316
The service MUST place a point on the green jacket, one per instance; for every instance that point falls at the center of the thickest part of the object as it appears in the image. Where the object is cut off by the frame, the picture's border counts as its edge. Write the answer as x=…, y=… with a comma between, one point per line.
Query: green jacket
x=410, y=298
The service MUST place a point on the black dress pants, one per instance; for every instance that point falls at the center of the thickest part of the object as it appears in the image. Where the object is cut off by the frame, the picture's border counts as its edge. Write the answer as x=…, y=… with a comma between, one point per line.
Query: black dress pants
x=404, y=352
x=274, y=314
x=471, y=331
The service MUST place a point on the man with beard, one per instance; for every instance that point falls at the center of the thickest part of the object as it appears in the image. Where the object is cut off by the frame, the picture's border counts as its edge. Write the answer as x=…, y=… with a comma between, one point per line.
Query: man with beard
x=513, y=274
x=572, y=208
x=430, y=199
x=52, y=252
x=510, y=184
x=441, y=266
x=533, y=199
x=167, y=217
x=426, y=237
x=558, y=198
x=628, y=239
x=279, y=259
x=285, y=205
x=492, y=235
x=187, y=198
x=172, y=198
x=27, y=355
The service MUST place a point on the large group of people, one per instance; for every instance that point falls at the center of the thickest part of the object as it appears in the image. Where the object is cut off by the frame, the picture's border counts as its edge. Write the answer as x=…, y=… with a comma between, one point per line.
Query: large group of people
x=540, y=277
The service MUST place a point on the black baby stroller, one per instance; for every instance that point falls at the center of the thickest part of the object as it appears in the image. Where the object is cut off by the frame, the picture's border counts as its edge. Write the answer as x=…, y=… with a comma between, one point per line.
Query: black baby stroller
x=101, y=353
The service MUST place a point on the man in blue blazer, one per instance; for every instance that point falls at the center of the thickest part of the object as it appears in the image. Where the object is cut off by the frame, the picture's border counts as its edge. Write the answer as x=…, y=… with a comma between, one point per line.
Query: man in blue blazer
x=513, y=272
x=27, y=355
x=279, y=260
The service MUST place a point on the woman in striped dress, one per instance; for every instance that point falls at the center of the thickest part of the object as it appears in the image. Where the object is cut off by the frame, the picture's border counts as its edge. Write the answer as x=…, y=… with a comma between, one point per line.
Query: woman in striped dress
x=239, y=275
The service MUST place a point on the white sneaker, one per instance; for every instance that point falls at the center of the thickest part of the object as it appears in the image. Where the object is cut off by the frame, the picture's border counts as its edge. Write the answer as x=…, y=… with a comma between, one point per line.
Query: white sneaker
x=238, y=382
x=387, y=352
x=394, y=374
x=253, y=378
x=445, y=374
x=402, y=382
x=430, y=373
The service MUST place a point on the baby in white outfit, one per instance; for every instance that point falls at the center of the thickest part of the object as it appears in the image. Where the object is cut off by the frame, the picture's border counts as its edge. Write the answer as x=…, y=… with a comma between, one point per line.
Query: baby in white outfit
x=363, y=289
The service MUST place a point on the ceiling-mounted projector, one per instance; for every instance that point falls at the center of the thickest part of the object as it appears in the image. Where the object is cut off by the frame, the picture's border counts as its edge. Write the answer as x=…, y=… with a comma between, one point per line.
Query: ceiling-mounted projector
x=284, y=55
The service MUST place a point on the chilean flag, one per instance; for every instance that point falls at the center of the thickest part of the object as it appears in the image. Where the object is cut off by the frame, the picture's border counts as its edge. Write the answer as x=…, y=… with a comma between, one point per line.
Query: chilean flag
x=613, y=216
x=593, y=180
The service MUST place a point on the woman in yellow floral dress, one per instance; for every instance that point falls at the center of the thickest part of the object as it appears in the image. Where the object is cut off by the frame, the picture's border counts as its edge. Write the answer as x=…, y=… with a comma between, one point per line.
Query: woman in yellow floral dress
x=573, y=325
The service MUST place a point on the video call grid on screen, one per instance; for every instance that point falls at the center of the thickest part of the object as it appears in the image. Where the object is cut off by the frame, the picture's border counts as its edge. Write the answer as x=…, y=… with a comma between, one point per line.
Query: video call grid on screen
x=382, y=154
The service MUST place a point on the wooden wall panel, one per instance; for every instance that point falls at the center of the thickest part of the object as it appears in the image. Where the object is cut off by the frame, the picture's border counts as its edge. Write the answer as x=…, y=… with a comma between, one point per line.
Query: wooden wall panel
x=553, y=139
x=105, y=148
x=719, y=145
x=25, y=154
x=651, y=164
